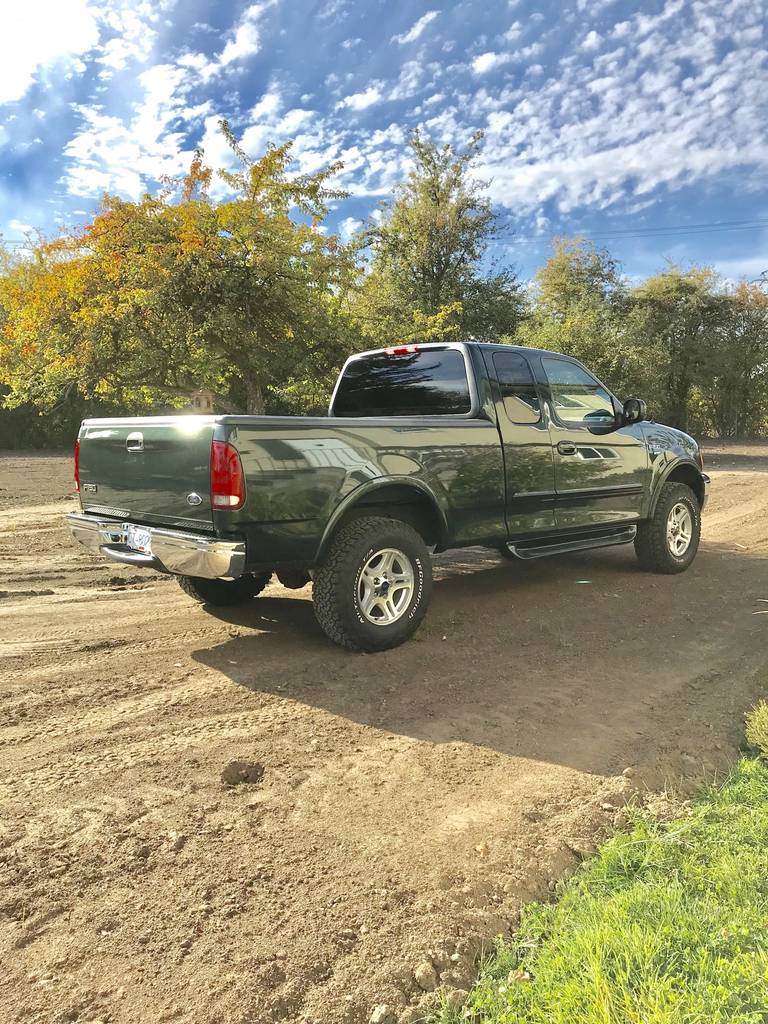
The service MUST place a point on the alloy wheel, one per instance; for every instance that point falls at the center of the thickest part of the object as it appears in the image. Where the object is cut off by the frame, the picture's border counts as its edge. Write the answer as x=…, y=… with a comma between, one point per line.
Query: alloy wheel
x=385, y=587
x=679, y=529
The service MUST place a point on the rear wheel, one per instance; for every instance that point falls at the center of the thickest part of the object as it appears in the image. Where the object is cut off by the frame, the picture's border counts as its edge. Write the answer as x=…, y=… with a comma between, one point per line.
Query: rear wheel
x=372, y=590
x=668, y=542
x=220, y=593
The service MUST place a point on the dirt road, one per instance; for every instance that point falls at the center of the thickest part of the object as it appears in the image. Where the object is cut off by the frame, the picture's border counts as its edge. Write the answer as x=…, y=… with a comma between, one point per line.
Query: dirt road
x=410, y=800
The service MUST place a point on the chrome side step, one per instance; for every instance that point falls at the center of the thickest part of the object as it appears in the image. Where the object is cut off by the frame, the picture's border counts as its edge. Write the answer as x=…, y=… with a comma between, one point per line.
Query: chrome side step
x=540, y=549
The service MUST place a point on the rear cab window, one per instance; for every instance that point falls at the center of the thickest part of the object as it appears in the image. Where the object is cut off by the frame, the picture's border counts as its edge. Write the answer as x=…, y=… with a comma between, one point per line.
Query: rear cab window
x=405, y=381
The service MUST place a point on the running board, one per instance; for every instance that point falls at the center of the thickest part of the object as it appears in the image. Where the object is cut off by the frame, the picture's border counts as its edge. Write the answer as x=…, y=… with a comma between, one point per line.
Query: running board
x=540, y=549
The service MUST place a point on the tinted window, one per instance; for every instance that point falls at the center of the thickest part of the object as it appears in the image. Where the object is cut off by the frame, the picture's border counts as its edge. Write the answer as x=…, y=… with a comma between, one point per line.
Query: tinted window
x=425, y=383
x=521, y=400
x=576, y=396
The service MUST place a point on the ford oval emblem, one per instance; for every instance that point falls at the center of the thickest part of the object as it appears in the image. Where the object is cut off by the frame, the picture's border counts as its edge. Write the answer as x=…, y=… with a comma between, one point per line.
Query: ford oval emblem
x=194, y=499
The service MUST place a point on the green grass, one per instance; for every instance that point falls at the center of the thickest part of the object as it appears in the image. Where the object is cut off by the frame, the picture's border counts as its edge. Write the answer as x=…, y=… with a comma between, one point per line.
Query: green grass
x=668, y=924
x=757, y=727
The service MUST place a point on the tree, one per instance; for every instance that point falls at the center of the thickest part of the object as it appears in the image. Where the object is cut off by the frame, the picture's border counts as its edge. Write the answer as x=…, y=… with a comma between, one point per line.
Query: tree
x=578, y=305
x=733, y=383
x=176, y=291
x=425, y=280
x=578, y=274
x=677, y=317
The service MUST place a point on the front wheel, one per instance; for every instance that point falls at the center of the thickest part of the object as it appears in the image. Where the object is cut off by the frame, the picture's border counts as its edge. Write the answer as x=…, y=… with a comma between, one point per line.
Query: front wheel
x=669, y=540
x=223, y=593
x=372, y=590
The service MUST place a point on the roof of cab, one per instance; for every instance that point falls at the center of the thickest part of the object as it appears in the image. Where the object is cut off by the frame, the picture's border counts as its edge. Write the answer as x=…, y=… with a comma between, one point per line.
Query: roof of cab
x=496, y=346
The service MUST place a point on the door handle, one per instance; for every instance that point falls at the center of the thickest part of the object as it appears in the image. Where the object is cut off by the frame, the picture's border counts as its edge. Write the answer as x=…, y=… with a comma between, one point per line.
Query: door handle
x=567, y=448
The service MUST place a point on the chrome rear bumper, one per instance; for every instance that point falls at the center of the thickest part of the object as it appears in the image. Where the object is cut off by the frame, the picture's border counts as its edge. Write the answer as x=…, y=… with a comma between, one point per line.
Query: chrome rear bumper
x=173, y=551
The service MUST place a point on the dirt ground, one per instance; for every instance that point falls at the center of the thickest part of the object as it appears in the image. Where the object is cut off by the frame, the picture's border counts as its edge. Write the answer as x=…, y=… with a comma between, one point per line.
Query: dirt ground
x=410, y=801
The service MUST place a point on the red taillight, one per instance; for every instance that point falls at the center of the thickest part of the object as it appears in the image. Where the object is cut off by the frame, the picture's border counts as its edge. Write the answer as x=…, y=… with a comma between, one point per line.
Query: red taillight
x=227, y=480
x=401, y=350
x=77, y=464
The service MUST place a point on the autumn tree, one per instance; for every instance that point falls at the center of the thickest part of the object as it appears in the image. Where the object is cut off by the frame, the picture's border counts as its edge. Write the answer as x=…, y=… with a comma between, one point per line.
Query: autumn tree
x=177, y=291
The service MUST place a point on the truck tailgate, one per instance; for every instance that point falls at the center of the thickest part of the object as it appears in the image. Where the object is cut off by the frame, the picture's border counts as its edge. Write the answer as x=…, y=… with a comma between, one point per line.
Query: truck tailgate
x=151, y=470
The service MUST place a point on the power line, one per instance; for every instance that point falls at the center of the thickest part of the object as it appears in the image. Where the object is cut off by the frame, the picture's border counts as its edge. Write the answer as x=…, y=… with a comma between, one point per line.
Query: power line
x=677, y=232
x=722, y=225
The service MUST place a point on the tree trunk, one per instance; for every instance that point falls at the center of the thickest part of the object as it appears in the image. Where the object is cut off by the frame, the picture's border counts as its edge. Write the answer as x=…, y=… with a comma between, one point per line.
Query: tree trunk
x=254, y=401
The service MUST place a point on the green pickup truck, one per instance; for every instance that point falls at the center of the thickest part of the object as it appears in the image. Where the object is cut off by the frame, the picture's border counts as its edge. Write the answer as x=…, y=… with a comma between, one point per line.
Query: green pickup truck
x=426, y=447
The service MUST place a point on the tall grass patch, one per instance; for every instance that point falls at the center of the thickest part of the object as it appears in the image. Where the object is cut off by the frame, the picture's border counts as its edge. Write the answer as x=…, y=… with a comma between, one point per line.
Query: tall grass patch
x=668, y=924
x=757, y=727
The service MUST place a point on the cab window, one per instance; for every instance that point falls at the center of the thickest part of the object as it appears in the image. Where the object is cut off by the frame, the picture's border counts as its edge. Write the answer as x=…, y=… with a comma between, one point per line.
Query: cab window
x=518, y=390
x=404, y=382
x=577, y=398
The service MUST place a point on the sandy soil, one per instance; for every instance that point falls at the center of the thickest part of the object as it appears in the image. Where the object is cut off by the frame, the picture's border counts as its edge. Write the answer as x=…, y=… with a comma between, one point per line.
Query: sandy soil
x=410, y=801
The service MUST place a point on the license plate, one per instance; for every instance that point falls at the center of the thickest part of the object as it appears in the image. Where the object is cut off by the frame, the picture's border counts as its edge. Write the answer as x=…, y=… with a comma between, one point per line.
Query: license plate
x=139, y=538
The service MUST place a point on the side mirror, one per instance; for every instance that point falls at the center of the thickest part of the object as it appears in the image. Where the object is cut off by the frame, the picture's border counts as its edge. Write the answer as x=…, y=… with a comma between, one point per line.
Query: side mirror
x=635, y=411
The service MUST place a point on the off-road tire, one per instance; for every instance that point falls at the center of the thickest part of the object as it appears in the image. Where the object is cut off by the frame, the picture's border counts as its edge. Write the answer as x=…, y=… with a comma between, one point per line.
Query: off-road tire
x=651, y=544
x=223, y=593
x=335, y=584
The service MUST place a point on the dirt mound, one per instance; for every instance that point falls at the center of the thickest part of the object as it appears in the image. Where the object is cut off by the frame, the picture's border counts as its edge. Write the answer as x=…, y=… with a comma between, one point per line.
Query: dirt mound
x=237, y=773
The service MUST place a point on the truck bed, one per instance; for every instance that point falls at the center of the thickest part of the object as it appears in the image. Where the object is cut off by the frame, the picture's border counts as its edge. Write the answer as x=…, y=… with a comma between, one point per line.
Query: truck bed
x=299, y=472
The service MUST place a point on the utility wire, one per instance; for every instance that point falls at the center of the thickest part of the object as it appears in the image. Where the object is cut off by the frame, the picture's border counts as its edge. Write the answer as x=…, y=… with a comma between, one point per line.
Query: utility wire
x=723, y=225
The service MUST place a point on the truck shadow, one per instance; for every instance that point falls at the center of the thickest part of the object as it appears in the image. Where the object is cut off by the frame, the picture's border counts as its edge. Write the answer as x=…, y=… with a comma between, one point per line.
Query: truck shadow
x=579, y=660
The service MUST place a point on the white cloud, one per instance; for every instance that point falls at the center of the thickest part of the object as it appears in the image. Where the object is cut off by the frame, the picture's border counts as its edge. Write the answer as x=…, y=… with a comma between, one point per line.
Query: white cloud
x=131, y=28
x=247, y=40
x=293, y=120
x=488, y=62
x=409, y=80
x=245, y=43
x=416, y=29
x=19, y=227
x=269, y=104
x=111, y=154
x=348, y=227
x=591, y=41
x=362, y=100
x=36, y=34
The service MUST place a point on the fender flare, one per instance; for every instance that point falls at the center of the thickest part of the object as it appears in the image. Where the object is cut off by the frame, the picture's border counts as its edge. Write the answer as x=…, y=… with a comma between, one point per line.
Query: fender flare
x=422, y=489
x=664, y=476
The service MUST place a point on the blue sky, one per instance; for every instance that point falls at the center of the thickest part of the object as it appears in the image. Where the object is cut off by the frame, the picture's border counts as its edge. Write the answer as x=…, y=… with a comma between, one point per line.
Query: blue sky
x=635, y=123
